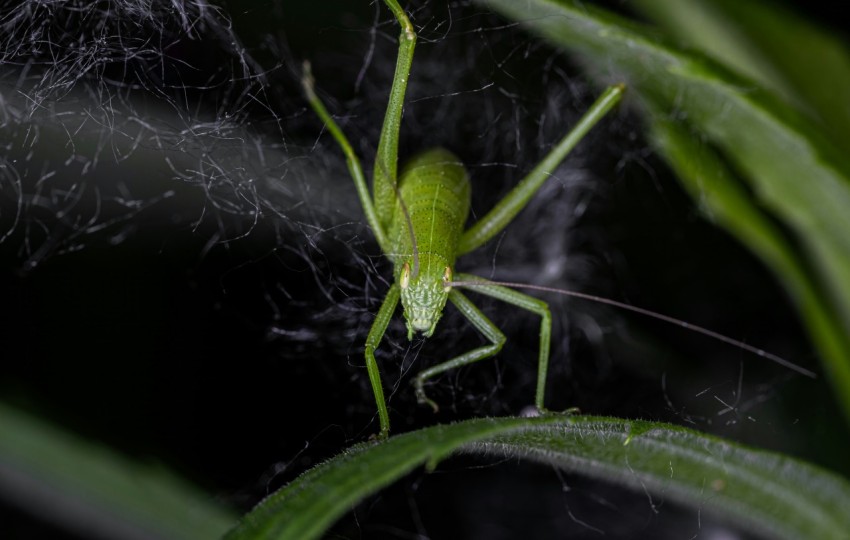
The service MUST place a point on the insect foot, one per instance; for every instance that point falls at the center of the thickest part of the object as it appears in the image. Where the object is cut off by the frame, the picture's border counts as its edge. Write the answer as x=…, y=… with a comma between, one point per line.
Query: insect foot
x=380, y=436
x=542, y=411
x=421, y=398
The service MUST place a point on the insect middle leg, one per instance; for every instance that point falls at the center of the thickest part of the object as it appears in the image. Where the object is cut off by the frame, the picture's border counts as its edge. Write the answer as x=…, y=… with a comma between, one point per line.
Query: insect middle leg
x=494, y=335
x=506, y=209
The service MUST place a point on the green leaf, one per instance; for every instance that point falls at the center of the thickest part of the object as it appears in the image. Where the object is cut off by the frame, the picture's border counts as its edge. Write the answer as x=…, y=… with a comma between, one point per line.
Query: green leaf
x=96, y=492
x=806, y=65
x=761, y=491
x=315, y=500
x=796, y=174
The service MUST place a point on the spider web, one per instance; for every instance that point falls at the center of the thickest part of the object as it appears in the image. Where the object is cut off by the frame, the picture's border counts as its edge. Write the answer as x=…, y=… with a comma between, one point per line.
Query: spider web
x=152, y=92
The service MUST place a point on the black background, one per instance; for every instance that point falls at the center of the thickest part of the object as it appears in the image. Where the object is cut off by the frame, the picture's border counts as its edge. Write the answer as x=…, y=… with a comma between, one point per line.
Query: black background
x=239, y=365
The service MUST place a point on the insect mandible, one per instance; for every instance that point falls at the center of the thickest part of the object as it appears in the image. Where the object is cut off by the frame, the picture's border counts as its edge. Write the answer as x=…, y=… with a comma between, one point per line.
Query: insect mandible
x=418, y=220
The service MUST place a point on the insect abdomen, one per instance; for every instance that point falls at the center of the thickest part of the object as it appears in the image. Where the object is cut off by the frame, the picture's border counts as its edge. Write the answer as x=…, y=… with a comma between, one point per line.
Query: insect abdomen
x=435, y=189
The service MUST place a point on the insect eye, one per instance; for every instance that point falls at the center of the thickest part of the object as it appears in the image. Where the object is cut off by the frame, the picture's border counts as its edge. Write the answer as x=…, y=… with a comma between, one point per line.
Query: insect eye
x=405, y=276
x=447, y=279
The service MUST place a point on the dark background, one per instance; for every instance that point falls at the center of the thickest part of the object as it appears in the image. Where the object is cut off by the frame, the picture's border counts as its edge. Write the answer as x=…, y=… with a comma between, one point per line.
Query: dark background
x=190, y=332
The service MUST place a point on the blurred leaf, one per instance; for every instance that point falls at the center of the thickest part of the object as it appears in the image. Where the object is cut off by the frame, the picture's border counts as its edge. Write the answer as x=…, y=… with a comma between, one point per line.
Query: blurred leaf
x=795, y=172
x=710, y=182
x=764, y=492
x=94, y=491
x=806, y=65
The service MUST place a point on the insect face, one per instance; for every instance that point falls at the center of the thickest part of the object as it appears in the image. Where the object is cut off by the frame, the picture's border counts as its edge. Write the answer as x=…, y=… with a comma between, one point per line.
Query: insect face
x=424, y=296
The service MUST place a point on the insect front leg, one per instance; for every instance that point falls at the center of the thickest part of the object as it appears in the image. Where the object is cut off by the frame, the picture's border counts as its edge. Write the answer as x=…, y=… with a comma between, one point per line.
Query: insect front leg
x=376, y=334
x=479, y=321
x=351, y=159
x=534, y=305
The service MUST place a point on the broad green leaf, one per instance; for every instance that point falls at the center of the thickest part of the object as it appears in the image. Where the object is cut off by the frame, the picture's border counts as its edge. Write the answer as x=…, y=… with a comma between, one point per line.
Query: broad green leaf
x=96, y=492
x=806, y=65
x=766, y=493
x=314, y=501
x=763, y=492
x=795, y=172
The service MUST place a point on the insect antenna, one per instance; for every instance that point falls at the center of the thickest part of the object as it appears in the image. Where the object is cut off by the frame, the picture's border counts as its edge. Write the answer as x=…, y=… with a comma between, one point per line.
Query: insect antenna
x=410, y=230
x=647, y=313
x=409, y=224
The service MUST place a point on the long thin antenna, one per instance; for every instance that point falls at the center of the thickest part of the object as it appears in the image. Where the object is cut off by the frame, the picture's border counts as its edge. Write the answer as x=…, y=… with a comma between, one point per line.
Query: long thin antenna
x=409, y=223
x=647, y=313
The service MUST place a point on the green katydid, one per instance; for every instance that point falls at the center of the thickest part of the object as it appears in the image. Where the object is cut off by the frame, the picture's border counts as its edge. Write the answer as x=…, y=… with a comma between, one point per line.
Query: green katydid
x=418, y=220
x=426, y=207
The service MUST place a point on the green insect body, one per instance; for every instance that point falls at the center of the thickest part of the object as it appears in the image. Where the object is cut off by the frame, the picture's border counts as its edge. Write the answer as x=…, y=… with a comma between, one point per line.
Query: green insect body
x=418, y=219
x=434, y=190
